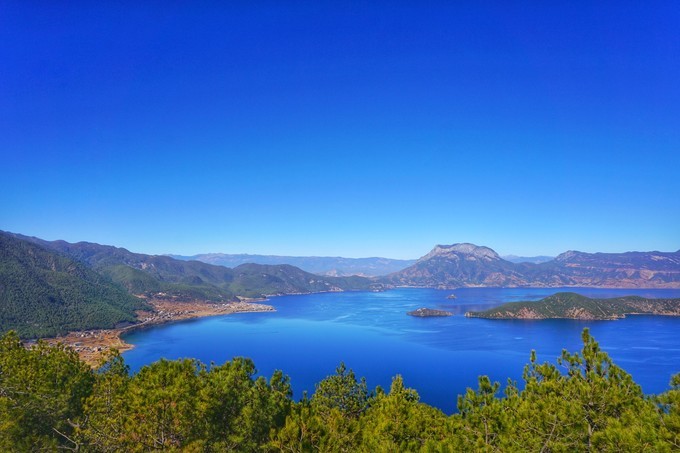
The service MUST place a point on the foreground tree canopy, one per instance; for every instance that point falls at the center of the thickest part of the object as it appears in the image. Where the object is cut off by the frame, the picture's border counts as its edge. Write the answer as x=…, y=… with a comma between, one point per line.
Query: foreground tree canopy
x=50, y=400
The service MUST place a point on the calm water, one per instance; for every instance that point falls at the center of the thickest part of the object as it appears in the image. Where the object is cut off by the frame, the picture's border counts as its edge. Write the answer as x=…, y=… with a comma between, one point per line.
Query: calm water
x=310, y=335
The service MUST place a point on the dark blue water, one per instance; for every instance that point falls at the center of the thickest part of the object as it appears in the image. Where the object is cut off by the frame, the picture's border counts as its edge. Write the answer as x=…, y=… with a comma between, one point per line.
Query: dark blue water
x=310, y=335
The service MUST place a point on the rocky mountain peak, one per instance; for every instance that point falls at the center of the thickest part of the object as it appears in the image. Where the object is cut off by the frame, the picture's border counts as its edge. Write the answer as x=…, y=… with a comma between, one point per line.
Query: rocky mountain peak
x=465, y=249
x=568, y=255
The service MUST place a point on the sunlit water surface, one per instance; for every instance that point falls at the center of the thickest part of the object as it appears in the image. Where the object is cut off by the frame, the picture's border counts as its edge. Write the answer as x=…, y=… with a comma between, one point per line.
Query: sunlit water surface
x=308, y=336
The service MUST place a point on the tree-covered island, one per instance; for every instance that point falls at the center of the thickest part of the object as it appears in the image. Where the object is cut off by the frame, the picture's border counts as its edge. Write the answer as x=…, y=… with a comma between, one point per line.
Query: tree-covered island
x=568, y=305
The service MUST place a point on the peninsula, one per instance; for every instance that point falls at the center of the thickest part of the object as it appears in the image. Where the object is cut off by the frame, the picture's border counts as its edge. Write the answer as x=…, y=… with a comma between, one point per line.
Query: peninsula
x=569, y=305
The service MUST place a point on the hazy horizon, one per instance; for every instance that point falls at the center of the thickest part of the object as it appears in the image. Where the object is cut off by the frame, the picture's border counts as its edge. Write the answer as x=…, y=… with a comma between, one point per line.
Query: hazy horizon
x=500, y=253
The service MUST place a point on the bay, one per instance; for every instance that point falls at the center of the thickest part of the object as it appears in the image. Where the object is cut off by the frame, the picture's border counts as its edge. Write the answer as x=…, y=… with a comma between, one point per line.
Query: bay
x=309, y=335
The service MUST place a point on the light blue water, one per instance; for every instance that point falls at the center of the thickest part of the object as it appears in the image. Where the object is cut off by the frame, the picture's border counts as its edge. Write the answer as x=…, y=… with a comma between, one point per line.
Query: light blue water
x=310, y=335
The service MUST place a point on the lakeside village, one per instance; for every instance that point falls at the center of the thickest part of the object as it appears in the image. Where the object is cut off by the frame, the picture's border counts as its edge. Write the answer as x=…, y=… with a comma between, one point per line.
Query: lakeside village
x=92, y=345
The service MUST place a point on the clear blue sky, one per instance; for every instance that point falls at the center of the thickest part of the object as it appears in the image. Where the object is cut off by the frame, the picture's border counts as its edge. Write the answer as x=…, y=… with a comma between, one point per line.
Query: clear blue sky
x=353, y=130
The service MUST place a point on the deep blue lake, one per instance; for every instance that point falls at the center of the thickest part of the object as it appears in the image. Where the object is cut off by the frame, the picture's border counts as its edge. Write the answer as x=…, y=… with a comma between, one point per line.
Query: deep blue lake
x=310, y=335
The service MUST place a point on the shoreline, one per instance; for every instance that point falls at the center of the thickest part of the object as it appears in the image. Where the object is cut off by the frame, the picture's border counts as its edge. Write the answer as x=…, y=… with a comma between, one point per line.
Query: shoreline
x=92, y=345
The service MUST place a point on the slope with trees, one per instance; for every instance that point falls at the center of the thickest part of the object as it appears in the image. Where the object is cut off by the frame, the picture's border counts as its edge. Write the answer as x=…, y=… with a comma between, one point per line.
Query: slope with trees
x=43, y=293
x=50, y=400
x=576, y=306
x=154, y=274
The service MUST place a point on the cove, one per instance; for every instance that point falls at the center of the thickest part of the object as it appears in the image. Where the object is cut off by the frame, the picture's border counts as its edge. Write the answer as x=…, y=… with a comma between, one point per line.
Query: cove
x=309, y=335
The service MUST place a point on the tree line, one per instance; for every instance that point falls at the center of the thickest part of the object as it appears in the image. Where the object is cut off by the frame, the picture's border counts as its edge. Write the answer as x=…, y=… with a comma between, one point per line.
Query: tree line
x=50, y=400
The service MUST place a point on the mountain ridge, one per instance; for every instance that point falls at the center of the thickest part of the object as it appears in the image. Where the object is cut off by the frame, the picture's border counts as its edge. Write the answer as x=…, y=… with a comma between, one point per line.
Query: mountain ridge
x=153, y=274
x=468, y=265
x=336, y=266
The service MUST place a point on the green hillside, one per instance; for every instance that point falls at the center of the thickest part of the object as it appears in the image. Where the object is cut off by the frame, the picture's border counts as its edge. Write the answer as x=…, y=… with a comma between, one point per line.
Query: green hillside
x=154, y=274
x=149, y=274
x=257, y=279
x=43, y=293
x=138, y=281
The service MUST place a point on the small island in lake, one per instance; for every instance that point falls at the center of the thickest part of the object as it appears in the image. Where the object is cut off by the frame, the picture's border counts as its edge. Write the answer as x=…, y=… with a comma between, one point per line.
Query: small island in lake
x=575, y=306
x=428, y=313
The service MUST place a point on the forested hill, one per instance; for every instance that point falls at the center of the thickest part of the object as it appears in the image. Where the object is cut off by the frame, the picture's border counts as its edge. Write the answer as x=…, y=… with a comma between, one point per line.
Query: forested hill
x=44, y=293
x=576, y=306
x=154, y=275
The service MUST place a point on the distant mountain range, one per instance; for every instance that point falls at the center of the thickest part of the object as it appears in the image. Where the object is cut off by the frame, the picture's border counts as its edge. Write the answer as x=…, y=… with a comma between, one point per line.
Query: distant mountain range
x=468, y=265
x=329, y=265
x=322, y=265
x=527, y=259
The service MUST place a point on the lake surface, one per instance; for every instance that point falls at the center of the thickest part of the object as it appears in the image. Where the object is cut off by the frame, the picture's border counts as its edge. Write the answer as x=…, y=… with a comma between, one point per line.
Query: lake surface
x=310, y=335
